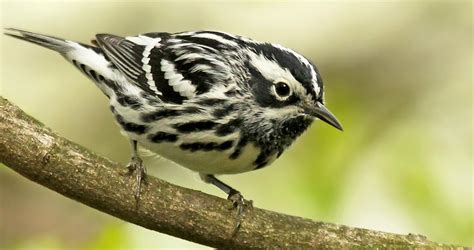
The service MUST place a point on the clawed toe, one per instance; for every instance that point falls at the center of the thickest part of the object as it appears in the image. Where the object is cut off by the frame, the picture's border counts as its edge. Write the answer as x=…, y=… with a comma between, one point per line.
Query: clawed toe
x=136, y=167
x=140, y=178
x=237, y=200
x=238, y=203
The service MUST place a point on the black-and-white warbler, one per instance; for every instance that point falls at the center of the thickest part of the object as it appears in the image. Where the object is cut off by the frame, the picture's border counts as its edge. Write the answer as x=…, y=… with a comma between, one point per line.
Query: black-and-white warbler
x=210, y=101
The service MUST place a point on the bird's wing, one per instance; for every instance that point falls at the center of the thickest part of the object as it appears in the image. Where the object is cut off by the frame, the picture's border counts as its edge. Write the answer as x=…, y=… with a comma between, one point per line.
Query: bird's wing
x=168, y=66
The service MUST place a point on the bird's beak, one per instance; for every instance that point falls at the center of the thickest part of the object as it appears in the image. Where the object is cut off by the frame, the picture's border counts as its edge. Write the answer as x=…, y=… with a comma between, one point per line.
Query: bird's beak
x=321, y=112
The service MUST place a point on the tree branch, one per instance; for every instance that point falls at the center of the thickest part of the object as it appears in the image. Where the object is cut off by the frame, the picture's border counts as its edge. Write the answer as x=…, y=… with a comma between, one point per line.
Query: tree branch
x=34, y=151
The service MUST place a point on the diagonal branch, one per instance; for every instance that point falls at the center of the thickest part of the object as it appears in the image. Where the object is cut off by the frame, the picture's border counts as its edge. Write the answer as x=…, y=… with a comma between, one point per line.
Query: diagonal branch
x=34, y=151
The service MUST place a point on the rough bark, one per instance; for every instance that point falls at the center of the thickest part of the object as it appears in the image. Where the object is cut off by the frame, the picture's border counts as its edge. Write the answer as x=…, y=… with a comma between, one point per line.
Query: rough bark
x=37, y=153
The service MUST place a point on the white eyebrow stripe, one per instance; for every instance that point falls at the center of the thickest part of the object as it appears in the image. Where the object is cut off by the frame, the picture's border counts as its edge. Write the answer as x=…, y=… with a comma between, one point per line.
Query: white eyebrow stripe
x=273, y=72
x=305, y=61
x=269, y=68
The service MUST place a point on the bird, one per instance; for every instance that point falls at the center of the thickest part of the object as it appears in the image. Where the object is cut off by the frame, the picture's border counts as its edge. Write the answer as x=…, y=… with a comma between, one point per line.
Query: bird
x=210, y=101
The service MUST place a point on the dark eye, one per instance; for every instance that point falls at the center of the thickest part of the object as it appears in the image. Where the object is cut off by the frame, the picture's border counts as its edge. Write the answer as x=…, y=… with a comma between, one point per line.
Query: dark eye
x=282, y=89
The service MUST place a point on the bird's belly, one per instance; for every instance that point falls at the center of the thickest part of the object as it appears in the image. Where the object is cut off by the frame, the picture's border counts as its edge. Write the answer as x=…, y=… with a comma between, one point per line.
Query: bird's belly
x=206, y=161
x=197, y=146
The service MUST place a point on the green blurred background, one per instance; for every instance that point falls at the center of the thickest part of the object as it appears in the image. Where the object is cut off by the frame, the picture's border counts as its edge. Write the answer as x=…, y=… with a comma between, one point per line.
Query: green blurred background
x=398, y=76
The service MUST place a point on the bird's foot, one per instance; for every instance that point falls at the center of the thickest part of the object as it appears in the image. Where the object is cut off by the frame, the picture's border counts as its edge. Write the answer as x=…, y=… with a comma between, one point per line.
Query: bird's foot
x=240, y=204
x=136, y=167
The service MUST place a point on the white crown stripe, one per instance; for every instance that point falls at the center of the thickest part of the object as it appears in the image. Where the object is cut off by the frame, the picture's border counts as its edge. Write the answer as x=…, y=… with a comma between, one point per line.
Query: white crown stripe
x=306, y=62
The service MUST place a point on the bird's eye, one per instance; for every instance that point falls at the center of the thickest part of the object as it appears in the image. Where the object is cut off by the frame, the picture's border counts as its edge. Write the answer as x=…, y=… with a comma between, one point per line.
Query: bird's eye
x=282, y=89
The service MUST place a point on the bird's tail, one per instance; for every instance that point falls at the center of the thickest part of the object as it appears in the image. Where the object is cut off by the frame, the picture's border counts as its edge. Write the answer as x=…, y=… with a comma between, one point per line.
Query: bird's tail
x=50, y=42
x=88, y=59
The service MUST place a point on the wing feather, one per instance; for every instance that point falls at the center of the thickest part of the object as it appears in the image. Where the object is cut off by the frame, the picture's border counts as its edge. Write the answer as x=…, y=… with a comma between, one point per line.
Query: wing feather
x=172, y=67
x=122, y=54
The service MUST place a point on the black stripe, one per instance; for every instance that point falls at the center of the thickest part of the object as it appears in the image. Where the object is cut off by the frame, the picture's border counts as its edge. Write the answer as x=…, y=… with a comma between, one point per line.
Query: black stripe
x=262, y=159
x=232, y=92
x=238, y=149
x=128, y=101
x=229, y=127
x=201, y=79
x=204, y=41
x=224, y=111
x=111, y=84
x=158, y=115
x=280, y=152
x=166, y=113
x=215, y=42
x=83, y=68
x=162, y=137
x=227, y=36
x=162, y=35
x=191, y=110
x=261, y=165
x=161, y=83
x=203, y=48
x=211, y=101
x=195, y=126
x=206, y=146
x=202, y=44
x=321, y=85
x=93, y=74
x=225, y=145
x=130, y=126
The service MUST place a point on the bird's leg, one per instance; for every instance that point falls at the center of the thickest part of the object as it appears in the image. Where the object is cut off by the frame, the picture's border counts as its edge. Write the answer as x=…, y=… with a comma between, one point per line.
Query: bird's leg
x=136, y=165
x=234, y=196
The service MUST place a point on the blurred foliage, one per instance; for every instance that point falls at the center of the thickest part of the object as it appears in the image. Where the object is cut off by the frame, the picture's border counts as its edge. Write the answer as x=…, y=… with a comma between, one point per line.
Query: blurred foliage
x=112, y=237
x=398, y=75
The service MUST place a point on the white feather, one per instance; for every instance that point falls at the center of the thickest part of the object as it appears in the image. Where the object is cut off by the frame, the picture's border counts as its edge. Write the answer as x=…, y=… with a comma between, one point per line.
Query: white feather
x=143, y=40
x=90, y=58
x=183, y=87
x=149, y=44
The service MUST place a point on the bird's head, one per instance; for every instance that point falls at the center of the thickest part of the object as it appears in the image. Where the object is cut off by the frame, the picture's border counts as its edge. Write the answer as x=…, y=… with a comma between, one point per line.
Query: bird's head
x=286, y=85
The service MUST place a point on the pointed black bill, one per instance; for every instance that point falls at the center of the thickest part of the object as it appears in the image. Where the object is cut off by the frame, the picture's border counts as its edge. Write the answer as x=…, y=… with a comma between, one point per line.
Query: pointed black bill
x=325, y=115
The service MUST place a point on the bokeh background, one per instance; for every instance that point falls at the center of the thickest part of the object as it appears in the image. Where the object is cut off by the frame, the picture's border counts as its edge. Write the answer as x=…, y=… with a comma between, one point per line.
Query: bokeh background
x=398, y=76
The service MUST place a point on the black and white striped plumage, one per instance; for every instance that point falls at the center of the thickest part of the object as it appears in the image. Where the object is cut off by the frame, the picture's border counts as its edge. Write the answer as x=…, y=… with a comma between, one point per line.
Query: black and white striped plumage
x=210, y=101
